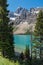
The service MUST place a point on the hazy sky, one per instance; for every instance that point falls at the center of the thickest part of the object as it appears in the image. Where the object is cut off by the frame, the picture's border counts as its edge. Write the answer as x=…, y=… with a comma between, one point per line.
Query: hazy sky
x=14, y=4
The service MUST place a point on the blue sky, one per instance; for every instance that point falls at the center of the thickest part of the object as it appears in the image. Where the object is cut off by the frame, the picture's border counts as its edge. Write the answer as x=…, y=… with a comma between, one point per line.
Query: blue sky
x=14, y=4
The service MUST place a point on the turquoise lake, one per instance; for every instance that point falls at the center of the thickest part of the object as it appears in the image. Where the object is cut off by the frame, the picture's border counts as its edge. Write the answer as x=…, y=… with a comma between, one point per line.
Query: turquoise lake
x=21, y=41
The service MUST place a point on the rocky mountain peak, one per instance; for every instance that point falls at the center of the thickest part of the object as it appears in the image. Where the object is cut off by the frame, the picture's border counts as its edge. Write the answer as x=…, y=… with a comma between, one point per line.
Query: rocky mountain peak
x=22, y=14
x=24, y=19
x=19, y=9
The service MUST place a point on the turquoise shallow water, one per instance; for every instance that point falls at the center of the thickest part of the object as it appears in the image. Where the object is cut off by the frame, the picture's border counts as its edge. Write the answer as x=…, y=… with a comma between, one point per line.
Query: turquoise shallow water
x=22, y=40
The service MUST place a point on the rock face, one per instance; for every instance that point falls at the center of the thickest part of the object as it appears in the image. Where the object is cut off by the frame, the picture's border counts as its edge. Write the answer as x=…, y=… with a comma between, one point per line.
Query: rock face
x=23, y=18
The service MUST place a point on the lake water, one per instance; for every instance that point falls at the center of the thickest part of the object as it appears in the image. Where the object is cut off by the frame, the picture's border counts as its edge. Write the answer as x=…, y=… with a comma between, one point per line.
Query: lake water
x=21, y=41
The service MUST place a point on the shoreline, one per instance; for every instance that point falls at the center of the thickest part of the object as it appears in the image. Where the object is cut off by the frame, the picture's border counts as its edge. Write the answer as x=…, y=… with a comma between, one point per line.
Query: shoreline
x=18, y=33
x=17, y=49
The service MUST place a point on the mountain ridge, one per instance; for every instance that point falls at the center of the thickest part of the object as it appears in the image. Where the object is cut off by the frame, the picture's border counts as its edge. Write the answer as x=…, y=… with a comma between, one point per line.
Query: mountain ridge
x=24, y=19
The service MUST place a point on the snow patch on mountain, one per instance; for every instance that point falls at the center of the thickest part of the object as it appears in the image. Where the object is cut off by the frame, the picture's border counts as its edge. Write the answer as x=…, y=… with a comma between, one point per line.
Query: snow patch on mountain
x=16, y=14
x=24, y=19
x=12, y=18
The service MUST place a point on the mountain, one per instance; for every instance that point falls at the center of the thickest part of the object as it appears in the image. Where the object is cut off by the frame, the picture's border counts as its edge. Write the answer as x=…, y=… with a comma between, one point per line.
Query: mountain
x=23, y=19
x=18, y=13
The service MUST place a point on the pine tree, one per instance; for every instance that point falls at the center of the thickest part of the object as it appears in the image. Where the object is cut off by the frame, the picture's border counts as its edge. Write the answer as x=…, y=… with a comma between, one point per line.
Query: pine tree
x=22, y=56
x=39, y=26
x=27, y=52
x=39, y=30
x=27, y=55
x=6, y=34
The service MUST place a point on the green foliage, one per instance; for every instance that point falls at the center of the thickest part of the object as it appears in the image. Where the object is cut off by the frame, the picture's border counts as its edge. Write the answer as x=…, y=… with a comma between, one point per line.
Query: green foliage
x=21, y=56
x=27, y=56
x=39, y=24
x=4, y=61
x=38, y=32
x=27, y=52
x=6, y=34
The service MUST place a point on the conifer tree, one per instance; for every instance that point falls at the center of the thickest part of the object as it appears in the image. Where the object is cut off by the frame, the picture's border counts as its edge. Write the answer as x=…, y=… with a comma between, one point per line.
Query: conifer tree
x=27, y=52
x=27, y=55
x=6, y=34
x=39, y=26
x=39, y=30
